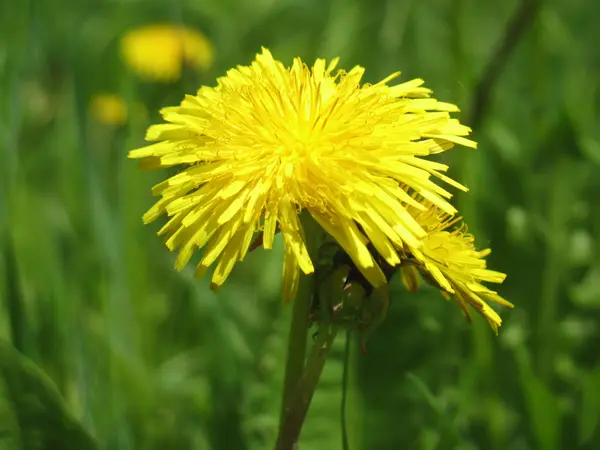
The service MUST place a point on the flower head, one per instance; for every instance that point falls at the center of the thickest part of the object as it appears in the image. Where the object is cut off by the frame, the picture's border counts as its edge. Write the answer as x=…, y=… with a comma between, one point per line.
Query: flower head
x=109, y=109
x=158, y=52
x=449, y=260
x=269, y=141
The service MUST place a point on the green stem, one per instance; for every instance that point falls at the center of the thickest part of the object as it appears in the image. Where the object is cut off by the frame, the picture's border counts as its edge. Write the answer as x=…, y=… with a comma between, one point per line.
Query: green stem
x=291, y=426
x=345, y=376
x=296, y=353
x=559, y=200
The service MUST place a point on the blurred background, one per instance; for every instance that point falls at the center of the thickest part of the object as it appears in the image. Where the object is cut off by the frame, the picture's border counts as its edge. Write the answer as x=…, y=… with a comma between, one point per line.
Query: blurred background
x=149, y=358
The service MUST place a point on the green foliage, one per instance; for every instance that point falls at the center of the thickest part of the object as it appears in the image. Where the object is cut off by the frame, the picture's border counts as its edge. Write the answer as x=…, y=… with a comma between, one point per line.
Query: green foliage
x=149, y=358
x=32, y=411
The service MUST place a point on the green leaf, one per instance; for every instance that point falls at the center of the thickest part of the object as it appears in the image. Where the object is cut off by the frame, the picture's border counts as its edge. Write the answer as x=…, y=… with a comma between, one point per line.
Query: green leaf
x=448, y=426
x=33, y=414
x=541, y=403
x=589, y=417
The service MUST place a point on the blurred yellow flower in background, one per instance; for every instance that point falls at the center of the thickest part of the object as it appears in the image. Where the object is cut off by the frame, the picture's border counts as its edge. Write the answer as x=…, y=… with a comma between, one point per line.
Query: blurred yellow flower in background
x=108, y=109
x=270, y=141
x=448, y=260
x=112, y=109
x=158, y=52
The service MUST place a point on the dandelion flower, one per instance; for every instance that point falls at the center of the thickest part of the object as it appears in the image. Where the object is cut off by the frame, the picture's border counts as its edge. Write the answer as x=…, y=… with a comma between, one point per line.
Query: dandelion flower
x=270, y=141
x=158, y=52
x=108, y=109
x=449, y=260
x=410, y=277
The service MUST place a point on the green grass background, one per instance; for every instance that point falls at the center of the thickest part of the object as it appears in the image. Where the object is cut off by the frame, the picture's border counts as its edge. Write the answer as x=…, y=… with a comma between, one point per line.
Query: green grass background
x=149, y=358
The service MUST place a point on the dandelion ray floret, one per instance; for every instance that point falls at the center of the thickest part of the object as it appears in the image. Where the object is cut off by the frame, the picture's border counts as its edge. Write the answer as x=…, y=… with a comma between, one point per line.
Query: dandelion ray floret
x=269, y=141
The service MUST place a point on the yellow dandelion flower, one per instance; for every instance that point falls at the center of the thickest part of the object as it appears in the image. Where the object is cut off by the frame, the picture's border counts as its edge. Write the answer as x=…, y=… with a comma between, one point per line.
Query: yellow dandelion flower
x=109, y=109
x=158, y=52
x=410, y=277
x=269, y=141
x=449, y=260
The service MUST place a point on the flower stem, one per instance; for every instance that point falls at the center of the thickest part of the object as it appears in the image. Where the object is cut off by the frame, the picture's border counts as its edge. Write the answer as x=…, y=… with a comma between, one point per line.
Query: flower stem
x=296, y=353
x=345, y=376
x=291, y=426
